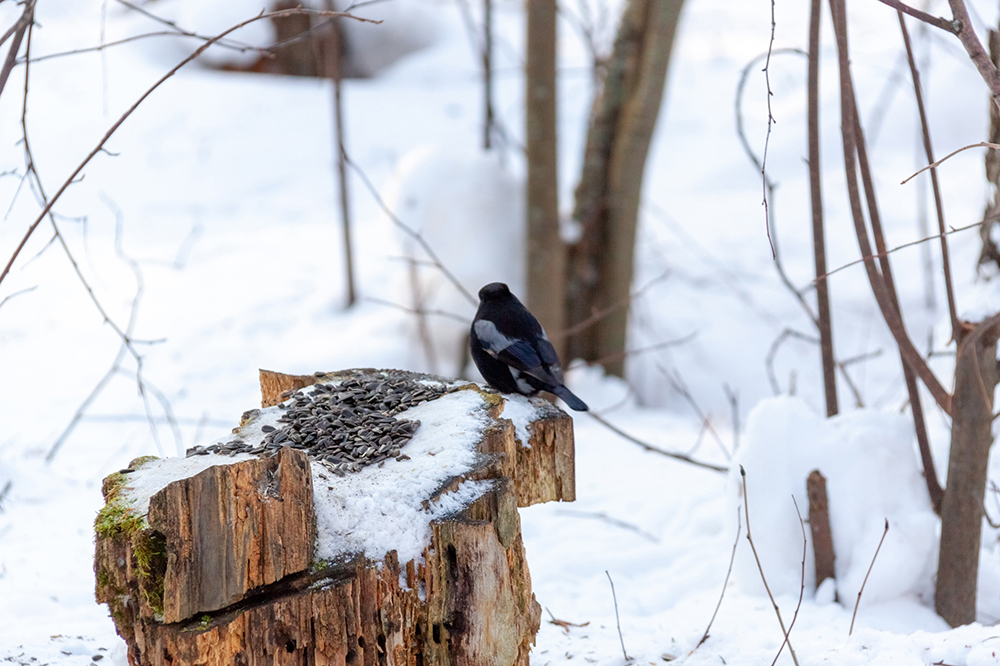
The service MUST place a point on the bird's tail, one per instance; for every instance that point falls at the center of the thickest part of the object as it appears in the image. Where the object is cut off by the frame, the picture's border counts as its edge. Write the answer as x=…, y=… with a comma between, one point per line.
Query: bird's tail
x=574, y=402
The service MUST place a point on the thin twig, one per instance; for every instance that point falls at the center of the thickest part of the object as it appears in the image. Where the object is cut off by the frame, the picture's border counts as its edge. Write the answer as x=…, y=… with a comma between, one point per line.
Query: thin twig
x=16, y=293
x=563, y=623
x=628, y=353
x=865, y=581
x=654, y=449
x=409, y=231
x=734, y=403
x=3, y=493
x=617, y=620
x=746, y=509
x=769, y=185
x=100, y=145
x=981, y=144
x=421, y=311
x=599, y=315
x=878, y=255
x=853, y=146
x=678, y=384
x=956, y=326
x=767, y=139
x=802, y=587
x=611, y=520
x=31, y=173
x=725, y=583
x=773, y=352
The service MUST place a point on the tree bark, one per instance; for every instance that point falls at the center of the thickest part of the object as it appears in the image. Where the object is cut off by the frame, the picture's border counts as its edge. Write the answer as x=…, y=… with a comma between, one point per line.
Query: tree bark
x=609, y=193
x=824, y=557
x=546, y=253
x=823, y=316
x=976, y=378
x=221, y=572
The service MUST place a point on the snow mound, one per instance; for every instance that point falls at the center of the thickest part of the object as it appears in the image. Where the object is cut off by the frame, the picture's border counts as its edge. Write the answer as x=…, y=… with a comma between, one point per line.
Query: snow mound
x=870, y=462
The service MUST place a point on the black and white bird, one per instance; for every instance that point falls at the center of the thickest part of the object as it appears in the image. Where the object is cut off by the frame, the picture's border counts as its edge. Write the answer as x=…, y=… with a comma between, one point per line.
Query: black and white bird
x=512, y=351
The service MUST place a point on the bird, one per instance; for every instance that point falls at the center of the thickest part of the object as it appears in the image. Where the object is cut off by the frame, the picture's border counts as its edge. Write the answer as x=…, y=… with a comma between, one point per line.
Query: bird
x=511, y=350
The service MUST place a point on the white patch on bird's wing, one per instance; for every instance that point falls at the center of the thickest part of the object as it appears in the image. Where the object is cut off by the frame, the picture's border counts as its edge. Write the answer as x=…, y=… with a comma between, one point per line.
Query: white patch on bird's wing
x=494, y=340
x=522, y=384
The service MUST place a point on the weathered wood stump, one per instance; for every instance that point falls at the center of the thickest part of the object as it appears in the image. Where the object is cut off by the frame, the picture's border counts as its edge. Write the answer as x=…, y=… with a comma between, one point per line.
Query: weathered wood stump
x=221, y=566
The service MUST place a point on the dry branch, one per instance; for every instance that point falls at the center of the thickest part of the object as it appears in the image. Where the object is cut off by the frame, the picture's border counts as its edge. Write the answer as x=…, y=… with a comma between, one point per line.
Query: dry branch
x=981, y=144
x=732, y=558
x=654, y=449
x=936, y=21
x=956, y=326
x=114, y=127
x=865, y=581
x=767, y=588
x=802, y=582
x=853, y=155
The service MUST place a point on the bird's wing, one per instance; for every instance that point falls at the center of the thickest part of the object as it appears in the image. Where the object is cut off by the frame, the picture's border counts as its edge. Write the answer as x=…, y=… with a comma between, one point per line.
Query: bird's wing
x=549, y=357
x=514, y=352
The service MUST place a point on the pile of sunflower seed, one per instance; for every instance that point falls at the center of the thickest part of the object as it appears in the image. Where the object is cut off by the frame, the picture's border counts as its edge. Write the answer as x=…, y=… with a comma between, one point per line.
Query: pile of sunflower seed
x=346, y=426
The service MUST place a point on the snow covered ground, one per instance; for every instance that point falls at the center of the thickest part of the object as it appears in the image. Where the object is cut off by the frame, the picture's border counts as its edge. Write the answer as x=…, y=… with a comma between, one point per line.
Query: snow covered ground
x=222, y=187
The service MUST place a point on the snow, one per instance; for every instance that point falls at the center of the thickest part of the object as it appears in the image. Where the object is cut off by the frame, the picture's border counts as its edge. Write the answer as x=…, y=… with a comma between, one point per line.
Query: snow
x=156, y=475
x=521, y=412
x=381, y=508
x=786, y=440
x=228, y=203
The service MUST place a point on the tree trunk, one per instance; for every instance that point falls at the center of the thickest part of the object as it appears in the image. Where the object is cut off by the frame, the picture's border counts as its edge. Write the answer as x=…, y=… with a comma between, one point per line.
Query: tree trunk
x=546, y=254
x=824, y=557
x=976, y=378
x=221, y=570
x=607, y=199
x=823, y=317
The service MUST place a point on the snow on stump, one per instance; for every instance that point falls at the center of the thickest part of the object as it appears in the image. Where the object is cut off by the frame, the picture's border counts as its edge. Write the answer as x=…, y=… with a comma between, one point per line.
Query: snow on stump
x=362, y=518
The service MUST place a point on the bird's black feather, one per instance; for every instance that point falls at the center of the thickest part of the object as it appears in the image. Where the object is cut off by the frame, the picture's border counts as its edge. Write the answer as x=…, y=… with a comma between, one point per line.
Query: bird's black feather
x=512, y=351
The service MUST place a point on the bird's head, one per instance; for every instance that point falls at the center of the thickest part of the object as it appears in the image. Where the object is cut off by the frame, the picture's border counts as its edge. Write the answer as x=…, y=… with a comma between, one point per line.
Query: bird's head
x=494, y=291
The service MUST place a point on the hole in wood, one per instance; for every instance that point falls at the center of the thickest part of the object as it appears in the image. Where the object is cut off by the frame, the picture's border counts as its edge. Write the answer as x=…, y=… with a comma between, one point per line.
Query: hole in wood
x=290, y=646
x=381, y=643
x=352, y=656
x=361, y=642
x=167, y=656
x=436, y=633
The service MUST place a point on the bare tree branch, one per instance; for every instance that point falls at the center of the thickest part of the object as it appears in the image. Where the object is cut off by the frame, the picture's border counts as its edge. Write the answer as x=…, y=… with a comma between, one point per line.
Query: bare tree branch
x=409, y=231
x=654, y=449
x=760, y=568
x=853, y=154
x=100, y=145
x=981, y=144
x=18, y=31
x=980, y=58
x=936, y=21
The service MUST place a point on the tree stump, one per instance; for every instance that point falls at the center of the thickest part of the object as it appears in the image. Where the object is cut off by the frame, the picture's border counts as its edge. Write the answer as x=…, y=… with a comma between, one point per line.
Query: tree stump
x=221, y=566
